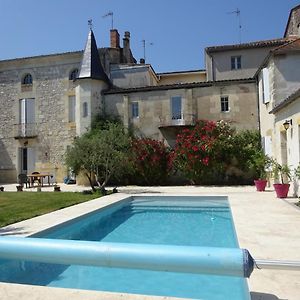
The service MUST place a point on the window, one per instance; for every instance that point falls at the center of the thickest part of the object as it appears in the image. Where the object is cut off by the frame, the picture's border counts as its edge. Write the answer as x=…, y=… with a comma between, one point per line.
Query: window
x=72, y=104
x=85, y=111
x=73, y=74
x=224, y=104
x=135, y=109
x=27, y=79
x=176, y=107
x=236, y=62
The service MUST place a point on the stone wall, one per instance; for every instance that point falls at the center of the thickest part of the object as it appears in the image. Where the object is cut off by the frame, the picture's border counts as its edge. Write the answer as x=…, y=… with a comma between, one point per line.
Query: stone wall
x=50, y=89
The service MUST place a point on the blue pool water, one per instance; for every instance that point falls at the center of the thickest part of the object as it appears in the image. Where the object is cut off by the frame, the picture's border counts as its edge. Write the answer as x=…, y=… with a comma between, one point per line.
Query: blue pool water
x=188, y=221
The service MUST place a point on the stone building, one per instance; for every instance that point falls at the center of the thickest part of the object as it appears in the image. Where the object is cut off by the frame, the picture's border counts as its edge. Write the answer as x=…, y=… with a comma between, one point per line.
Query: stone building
x=46, y=101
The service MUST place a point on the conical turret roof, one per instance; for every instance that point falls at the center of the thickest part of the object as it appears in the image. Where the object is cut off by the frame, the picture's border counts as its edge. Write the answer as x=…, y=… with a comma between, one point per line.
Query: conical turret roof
x=91, y=66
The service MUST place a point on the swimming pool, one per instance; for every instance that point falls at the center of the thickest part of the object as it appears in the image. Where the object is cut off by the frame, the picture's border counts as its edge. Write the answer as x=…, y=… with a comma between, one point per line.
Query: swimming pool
x=188, y=221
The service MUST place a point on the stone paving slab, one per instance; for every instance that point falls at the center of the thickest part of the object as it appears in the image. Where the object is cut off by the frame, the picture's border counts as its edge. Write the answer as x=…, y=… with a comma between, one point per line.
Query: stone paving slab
x=268, y=227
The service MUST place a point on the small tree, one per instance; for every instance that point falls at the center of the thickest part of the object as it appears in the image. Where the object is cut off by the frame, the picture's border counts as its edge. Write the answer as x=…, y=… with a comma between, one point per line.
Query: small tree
x=100, y=153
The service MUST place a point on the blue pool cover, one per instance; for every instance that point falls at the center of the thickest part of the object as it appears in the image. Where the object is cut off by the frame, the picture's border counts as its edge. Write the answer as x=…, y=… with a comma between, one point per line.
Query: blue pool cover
x=185, y=259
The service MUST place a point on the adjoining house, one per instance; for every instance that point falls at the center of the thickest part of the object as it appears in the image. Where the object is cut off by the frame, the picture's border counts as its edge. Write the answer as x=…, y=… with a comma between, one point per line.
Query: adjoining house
x=48, y=100
x=279, y=97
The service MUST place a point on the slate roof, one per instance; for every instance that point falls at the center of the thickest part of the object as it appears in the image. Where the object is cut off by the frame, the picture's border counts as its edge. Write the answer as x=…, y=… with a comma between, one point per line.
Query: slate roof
x=295, y=95
x=91, y=66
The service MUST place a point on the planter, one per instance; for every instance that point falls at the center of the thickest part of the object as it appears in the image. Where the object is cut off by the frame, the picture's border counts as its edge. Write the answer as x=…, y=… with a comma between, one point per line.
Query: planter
x=19, y=188
x=56, y=188
x=260, y=184
x=281, y=189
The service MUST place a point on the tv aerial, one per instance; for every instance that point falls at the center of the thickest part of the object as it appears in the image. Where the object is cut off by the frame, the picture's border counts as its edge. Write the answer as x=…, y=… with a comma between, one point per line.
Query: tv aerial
x=237, y=12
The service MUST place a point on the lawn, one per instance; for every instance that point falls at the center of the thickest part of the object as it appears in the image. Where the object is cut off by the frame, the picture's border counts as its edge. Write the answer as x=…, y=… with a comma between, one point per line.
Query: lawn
x=18, y=206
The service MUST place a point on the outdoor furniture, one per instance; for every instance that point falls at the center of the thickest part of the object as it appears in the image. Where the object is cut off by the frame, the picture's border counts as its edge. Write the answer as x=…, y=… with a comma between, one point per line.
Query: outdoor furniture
x=35, y=178
x=22, y=178
x=39, y=177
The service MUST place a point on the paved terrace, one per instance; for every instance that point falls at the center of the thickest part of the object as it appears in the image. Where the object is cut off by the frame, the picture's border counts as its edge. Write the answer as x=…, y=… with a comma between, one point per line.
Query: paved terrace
x=268, y=227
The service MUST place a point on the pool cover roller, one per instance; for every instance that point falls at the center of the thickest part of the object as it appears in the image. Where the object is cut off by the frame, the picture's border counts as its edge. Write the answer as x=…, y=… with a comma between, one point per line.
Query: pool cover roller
x=184, y=259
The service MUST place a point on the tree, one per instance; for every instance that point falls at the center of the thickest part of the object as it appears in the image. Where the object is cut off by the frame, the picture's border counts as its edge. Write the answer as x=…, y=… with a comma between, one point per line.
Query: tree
x=100, y=153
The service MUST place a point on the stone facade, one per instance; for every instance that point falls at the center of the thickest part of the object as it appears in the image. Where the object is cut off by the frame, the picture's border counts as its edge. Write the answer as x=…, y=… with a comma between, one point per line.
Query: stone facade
x=40, y=145
x=199, y=101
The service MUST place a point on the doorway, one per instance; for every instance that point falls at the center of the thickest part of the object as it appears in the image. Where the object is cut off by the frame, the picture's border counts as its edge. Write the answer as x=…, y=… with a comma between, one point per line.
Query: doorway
x=26, y=160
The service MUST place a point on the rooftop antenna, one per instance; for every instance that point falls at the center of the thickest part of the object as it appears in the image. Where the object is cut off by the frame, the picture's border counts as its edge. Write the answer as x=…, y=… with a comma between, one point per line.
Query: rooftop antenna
x=90, y=24
x=237, y=12
x=144, y=47
x=110, y=14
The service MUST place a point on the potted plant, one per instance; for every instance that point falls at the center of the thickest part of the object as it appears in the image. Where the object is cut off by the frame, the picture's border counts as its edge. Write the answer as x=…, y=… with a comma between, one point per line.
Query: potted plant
x=260, y=163
x=282, y=175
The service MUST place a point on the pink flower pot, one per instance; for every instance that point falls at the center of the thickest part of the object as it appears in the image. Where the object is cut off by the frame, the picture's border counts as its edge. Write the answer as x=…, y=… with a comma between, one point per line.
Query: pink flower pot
x=260, y=184
x=281, y=190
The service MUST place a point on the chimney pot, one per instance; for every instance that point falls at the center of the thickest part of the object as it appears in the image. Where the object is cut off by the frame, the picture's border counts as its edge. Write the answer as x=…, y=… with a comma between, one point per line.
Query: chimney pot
x=142, y=61
x=127, y=34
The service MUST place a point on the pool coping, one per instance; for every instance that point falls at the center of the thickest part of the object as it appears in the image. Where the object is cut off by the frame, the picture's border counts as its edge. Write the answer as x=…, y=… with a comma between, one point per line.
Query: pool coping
x=263, y=285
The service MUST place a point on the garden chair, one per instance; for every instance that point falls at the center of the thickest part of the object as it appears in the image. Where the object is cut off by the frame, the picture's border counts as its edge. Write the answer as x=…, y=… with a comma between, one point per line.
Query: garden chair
x=22, y=178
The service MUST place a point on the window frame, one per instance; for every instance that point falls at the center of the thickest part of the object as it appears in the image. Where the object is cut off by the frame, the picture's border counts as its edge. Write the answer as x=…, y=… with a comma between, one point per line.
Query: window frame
x=135, y=110
x=27, y=79
x=71, y=114
x=174, y=114
x=224, y=102
x=236, y=62
x=85, y=109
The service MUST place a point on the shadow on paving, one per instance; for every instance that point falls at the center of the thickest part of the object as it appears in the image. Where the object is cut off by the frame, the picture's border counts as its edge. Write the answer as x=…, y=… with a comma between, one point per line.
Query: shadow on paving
x=264, y=296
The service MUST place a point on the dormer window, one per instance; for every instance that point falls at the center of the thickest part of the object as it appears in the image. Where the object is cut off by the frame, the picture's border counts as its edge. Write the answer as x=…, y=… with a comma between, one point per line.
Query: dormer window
x=73, y=75
x=27, y=79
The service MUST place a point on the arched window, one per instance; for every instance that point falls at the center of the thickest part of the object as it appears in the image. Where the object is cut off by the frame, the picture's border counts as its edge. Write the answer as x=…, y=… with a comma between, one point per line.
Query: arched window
x=27, y=79
x=73, y=74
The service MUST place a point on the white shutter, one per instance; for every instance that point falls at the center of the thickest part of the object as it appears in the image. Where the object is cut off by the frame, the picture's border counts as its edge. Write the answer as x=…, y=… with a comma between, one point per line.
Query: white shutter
x=266, y=86
x=23, y=111
x=267, y=143
x=260, y=88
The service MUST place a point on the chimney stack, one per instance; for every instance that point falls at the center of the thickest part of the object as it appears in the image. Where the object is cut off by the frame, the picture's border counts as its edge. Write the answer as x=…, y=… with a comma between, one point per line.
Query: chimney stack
x=126, y=40
x=126, y=47
x=114, y=38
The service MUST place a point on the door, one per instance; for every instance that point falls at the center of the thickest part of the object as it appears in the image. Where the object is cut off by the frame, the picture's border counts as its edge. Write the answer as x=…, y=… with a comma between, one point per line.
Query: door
x=27, y=160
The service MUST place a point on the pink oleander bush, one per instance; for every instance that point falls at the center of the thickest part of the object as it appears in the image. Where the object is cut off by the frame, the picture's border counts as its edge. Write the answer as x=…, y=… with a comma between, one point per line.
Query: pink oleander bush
x=201, y=152
x=151, y=160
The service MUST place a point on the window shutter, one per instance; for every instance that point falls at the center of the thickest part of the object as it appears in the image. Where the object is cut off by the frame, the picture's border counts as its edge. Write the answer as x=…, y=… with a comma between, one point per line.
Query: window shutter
x=267, y=144
x=260, y=88
x=266, y=85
